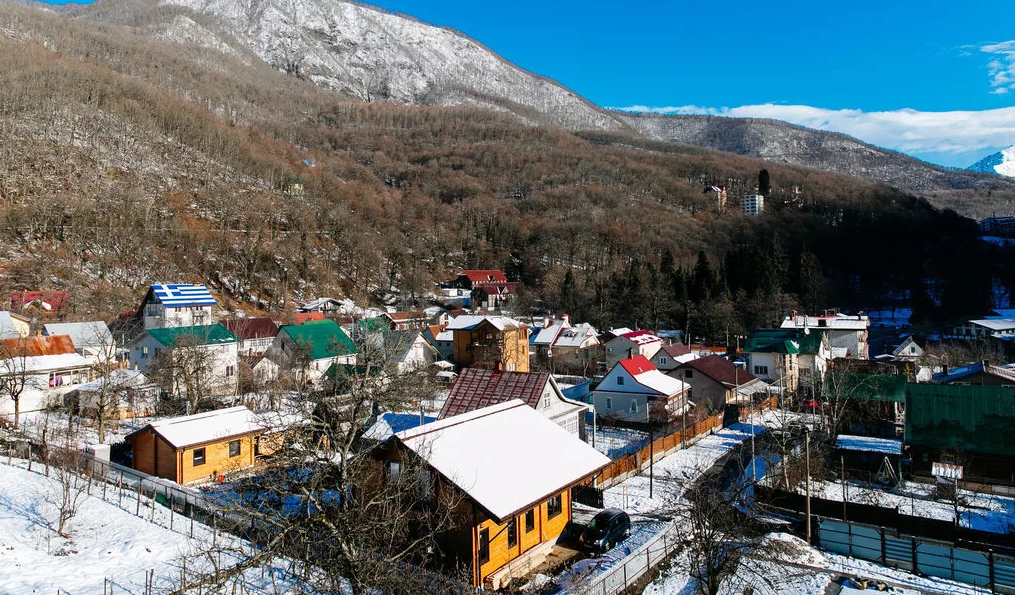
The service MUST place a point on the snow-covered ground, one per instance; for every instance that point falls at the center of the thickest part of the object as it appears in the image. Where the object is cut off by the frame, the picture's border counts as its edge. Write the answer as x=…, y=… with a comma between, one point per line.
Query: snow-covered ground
x=105, y=541
x=782, y=564
x=617, y=442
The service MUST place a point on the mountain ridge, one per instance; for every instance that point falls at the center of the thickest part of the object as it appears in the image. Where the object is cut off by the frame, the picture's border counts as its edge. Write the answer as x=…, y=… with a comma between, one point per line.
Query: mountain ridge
x=1001, y=163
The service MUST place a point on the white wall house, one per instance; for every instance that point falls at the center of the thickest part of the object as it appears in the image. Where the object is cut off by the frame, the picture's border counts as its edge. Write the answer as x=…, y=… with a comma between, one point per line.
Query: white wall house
x=43, y=369
x=177, y=305
x=255, y=334
x=753, y=205
x=631, y=344
x=846, y=334
x=208, y=353
x=309, y=350
x=403, y=351
x=634, y=389
x=788, y=358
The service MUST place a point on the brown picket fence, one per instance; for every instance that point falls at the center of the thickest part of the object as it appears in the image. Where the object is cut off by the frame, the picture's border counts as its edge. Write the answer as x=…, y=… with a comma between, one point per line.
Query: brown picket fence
x=631, y=464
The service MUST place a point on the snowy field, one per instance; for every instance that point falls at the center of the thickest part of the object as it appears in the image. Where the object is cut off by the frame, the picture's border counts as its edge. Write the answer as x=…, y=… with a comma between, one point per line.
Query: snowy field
x=104, y=542
x=617, y=442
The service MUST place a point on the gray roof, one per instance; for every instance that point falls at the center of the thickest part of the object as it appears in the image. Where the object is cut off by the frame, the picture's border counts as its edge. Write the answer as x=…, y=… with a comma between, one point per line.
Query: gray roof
x=84, y=334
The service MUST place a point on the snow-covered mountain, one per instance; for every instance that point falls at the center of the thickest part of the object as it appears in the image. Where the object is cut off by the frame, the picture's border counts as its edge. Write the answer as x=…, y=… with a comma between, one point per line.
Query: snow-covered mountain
x=1001, y=163
x=366, y=53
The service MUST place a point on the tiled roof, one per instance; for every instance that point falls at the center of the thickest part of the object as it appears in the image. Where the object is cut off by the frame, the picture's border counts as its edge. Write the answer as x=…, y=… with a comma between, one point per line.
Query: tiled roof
x=324, y=339
x=302, y=317
x=721, y=370
x=251, y=328
x=676, y=349
x=182, y=295
x=208, y=334
x=641, y=337
x=477, y=388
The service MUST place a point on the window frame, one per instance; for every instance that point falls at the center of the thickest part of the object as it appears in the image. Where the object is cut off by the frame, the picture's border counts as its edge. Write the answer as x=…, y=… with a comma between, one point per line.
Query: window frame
x=483, y=547
x=203, y=458
x=239, y=448
x=530, y=520
x=609, y=403
x=633, y=407
x=512, y=532
x=554, y=506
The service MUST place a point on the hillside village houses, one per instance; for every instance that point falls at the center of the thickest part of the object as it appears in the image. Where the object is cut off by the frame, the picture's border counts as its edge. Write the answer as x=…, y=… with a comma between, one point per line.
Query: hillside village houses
x=93, y=340
x=442, y=339
x=847, y=335
x=672, y=355
x=202, y=359
x=41, y=370
x=401, y=351
x=255, y=334
x=789, y=358
x=310, y=349
x=634, y=391
x=718, y=381
x=490, y=342
x=627, y=344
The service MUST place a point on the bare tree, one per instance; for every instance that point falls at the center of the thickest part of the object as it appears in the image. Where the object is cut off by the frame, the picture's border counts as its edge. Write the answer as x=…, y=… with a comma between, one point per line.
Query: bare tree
x=105, y=402
x=187, y=369
x=70, y=486
x=14, y=375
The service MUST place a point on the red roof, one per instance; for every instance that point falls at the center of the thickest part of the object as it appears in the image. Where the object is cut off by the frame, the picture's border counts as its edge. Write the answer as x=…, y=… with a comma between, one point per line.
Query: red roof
x=251, y=328
x=302, y=317
x=642, y=337
x=477, y=388
x=36, y=345
x=404, y=316
x=498, y=288
x=721, y=370
x=57, y=299
x=636, y=365
x=485, y=276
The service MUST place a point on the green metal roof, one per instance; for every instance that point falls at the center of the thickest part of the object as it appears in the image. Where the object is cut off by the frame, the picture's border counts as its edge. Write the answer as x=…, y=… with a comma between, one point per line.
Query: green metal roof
x=790, y=341
x=975, y=419
x=210, y=334
x=322, y=338
x=378, y=323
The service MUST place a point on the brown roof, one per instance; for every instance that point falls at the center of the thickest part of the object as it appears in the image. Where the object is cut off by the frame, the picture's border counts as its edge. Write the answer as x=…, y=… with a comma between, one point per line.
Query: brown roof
x=721, y=370
x=57, y=298
x=676, y=349
x=477, y=388
x=36, y=345
x=484, y=276
x=251, y=328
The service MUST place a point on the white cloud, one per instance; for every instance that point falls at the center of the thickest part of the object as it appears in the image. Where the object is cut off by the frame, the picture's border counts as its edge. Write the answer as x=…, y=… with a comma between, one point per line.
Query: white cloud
x=1001, y=66
x=957, y=133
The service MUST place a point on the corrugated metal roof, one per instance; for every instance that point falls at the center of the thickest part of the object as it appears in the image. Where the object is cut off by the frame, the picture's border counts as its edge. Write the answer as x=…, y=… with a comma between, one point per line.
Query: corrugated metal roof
x=36, y=345
x=183, y=295
x=251, y=328
x=209, y=334
x=477, y=388
x=322, y=339
x=485, y=276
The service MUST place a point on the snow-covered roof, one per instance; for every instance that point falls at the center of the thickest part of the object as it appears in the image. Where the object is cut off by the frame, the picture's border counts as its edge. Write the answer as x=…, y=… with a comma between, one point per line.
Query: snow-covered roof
x=642, y=337
x=117, y=379
x=837, y=322
x=44, y=363
x=481, y=453
x=576, y=336
x=471, y=322
x=84, y=334
x=212, y=426
x=840, y=352
x=647, y=375
x=995, y=324
x=319, y=303
x=182, y=295
x=868, y=444
x=548, y=334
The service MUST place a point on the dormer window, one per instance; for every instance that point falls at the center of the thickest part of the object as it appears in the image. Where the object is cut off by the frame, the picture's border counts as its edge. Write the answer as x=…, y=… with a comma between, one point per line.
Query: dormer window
x=620, y=381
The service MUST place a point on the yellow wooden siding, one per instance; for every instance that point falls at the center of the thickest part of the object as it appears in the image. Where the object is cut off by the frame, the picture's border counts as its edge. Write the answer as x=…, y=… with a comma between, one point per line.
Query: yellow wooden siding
x=217, y=460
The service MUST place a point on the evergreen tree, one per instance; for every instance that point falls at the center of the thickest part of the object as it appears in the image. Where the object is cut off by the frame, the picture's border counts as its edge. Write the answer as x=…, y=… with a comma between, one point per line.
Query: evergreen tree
x=764, y=183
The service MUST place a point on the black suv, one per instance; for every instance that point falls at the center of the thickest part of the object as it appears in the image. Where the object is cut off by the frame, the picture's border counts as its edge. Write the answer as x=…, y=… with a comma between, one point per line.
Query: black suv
x=607, y=529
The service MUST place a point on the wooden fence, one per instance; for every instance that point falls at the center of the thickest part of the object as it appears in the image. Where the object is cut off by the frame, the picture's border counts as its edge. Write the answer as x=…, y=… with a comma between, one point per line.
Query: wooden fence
x=633, y=463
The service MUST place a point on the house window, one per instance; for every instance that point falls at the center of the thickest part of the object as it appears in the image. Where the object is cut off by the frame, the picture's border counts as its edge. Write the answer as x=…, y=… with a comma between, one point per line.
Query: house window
x=609, y=403
x=762, y=370
x=634, y=406
x=554, y=507
x=484, y=546
x=394, y=471
x=610, y=349
x=530, y=520
x=230, y=370
x=512, y=531
x=620, y=381
x=662, y=361
x=198, y=456
x=688, y=373
x=144, y=352
x=546, y=402
x=912, y=349
x=234, y=448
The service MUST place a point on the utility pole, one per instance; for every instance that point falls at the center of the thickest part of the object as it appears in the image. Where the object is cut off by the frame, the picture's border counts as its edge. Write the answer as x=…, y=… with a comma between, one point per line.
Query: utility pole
x=807, y=460
x=842, y=478
x=651, y=447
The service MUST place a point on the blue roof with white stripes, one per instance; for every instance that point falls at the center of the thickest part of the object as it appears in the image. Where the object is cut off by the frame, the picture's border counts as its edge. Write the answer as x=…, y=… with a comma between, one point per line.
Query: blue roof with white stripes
x=183, y=295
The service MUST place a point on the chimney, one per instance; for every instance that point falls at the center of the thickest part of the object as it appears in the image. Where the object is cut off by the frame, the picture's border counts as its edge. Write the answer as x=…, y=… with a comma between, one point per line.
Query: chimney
x=38, y=333
x=500, y=366
x=630, y=353
x=566, y=318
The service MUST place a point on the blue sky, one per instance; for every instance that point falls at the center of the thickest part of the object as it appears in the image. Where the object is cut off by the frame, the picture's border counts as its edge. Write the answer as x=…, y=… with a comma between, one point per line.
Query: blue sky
x=862, y=55
x=934, y=79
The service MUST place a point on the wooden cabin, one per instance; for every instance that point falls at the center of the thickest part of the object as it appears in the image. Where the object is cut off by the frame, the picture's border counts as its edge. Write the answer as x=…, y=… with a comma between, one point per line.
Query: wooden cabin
x=514, y=470
x=196, y=448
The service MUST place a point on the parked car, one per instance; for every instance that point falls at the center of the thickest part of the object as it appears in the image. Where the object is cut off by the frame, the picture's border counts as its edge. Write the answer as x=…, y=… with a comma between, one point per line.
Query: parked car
x=605, y=530
x=810, y=405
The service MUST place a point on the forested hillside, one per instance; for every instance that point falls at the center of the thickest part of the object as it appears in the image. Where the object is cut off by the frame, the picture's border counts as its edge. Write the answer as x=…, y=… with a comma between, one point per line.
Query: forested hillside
x=128, y=160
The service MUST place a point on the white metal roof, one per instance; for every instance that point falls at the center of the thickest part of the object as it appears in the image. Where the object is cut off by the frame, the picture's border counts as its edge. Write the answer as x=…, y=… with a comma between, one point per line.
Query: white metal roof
x=469, y=322
x=840, y=322
x=995, y=324
x=548, y=334
x=208, y=427
x=661, y=383
x=505, y=457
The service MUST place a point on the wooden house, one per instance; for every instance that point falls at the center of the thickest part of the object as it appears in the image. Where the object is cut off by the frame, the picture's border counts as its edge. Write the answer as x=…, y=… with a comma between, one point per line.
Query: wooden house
x=407, y=321
x=490, y=342
x=196, y=448
x=515, y=494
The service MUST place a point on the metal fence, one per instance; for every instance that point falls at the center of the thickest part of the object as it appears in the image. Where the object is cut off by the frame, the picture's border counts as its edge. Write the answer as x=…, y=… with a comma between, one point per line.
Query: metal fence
x=633, y=568
x=981, y=568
